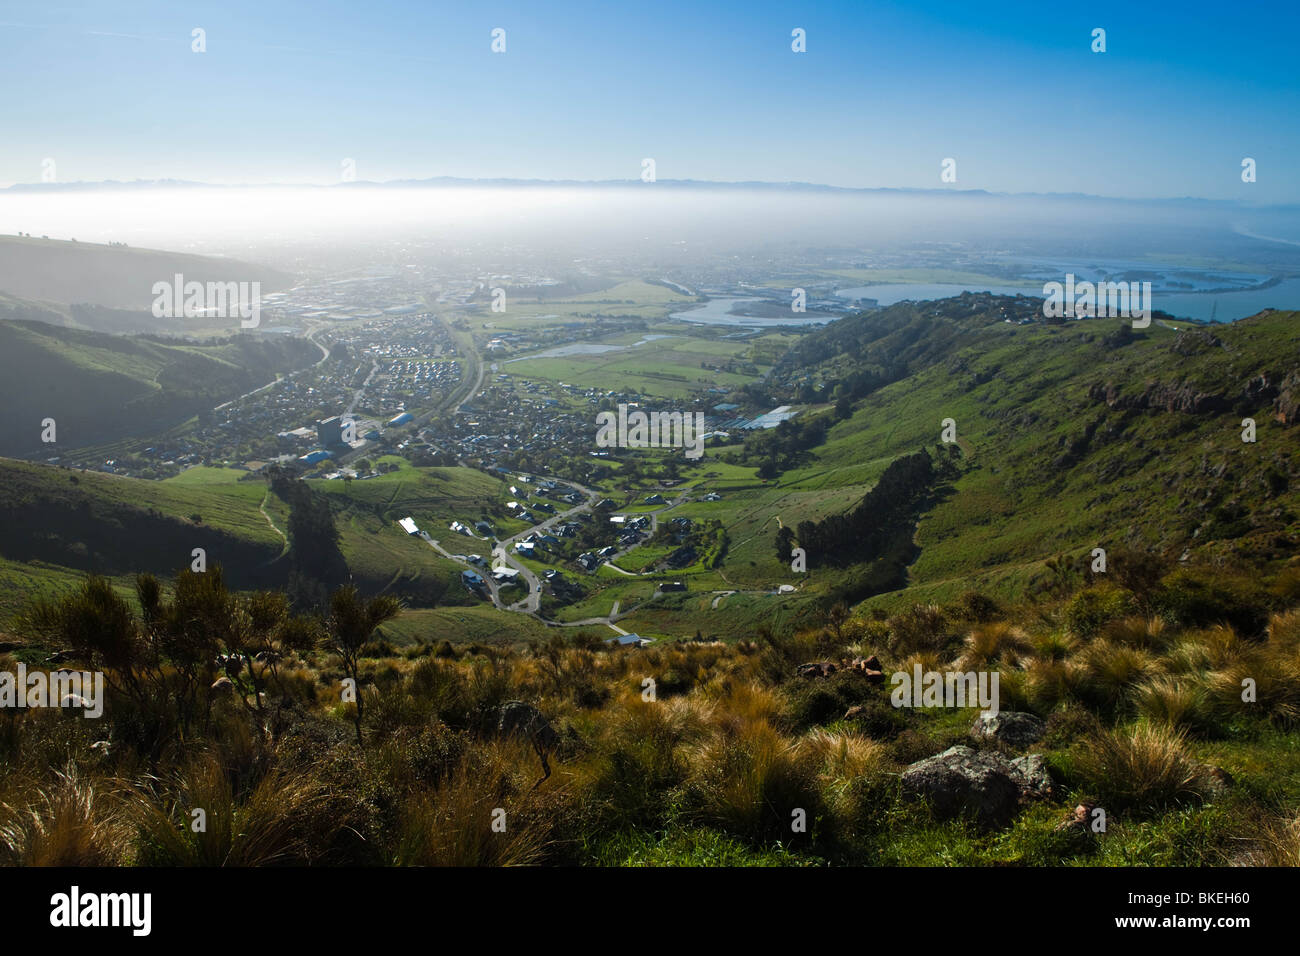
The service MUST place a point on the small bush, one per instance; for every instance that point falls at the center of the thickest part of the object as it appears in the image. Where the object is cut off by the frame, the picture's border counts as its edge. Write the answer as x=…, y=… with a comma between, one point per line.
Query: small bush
x=1094, y=607
x=1198, y=598
x=923, y=627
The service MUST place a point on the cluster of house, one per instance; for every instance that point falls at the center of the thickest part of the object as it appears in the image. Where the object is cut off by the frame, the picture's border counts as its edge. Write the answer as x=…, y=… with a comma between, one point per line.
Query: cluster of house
x=415, y=380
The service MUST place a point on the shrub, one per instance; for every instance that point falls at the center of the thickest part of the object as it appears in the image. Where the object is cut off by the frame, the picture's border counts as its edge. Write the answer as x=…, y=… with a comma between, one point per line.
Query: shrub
x=823, y=700
x=1093, y=607
x=974, y=606
x=880, y=720
x=1199, y=598
x=923, y=627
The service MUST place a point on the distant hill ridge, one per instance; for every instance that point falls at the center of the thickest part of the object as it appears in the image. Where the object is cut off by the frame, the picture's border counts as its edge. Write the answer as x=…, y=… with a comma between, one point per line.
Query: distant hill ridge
x=66, y=272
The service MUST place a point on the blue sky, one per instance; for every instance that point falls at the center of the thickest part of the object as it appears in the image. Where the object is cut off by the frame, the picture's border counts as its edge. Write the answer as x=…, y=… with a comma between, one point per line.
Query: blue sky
x=711, y=91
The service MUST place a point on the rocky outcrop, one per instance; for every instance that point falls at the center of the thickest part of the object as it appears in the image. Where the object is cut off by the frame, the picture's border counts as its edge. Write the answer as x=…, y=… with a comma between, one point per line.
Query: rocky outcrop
x=1169, y=398
x=980, y=784
x=1030, y=772
x=1013, y=728
x=1286, y=407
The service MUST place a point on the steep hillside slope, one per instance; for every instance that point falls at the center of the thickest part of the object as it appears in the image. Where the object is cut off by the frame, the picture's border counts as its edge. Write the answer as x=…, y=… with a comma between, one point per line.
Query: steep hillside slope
x=1075, y=436
x=100, y=387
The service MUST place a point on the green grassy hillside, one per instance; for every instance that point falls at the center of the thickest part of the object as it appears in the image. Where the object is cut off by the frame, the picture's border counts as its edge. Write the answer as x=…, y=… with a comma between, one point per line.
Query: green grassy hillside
x=100, y=387
x=1072, y=437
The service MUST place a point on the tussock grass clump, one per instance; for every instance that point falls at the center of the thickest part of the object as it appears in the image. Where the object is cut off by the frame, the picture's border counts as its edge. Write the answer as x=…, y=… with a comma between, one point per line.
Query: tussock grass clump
x=1145, y=633
x=1221, y=644
x=69, y=821
x=1273, y=679
x=1281, y=842
x=1187, y=655
x=997, y=642
x=749, y=784
x=1013, y=690
x=452, y=825
x=747, y=702
x=842, y=756
x=843, y=761
x=1174, y=702
x=290, y=818
x=1112, y=671
x=1055, y=646
x=1051, y=683
x=1284, y=631
x=1144, y=768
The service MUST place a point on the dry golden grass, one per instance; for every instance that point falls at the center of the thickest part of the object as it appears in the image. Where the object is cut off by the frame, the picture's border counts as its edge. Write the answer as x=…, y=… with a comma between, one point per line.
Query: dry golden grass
x=996, y=642
x=485, y=814
x=1147, y=633
x=1221, y=644
x=751, y=781
x=1281, y=842
x=1284, y=632
x=1113, y=670
x=281, y=820
x=67, y=822
x=1274, y=680
x=1180, y=702
x=1050, y=683
x=1144, y=768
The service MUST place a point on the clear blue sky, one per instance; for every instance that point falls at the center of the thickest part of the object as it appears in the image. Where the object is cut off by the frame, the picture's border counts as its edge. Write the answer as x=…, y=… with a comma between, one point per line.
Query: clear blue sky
x=1012, y=91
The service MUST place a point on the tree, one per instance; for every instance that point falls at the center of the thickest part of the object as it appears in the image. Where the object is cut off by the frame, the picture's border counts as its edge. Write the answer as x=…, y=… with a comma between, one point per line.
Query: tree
x=352, y=620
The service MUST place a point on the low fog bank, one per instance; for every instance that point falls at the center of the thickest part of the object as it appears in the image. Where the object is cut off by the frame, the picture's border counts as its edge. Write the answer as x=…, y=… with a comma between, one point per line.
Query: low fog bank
x=662, y=219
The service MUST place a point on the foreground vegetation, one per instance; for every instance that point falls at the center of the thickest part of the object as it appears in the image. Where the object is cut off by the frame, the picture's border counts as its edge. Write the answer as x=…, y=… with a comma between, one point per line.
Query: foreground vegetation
x=233, y=705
